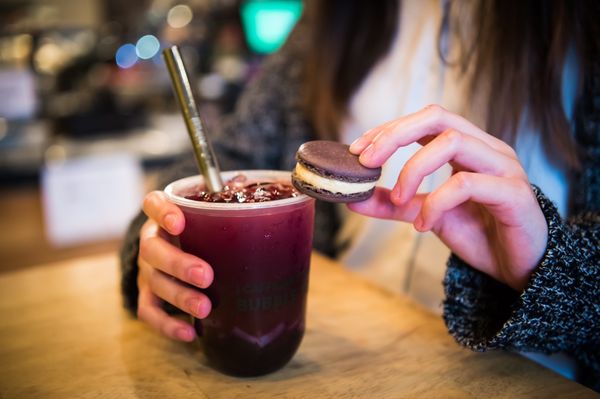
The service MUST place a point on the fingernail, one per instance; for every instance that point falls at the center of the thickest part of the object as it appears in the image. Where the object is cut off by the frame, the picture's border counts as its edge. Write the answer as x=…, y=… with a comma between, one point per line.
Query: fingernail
x=197, y=277
x=169, y=222
x=354, y=144
x=396, y=197
x=418, y=223
x=184, y=334
x=367, y=152
x=193, y=305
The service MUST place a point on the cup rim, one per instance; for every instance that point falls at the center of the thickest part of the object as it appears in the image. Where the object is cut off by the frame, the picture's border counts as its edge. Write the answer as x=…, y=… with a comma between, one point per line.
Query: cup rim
x=276, y=175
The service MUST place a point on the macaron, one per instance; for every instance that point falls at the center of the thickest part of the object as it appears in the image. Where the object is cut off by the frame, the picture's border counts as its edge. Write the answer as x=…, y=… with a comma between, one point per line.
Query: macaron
x=328, y=171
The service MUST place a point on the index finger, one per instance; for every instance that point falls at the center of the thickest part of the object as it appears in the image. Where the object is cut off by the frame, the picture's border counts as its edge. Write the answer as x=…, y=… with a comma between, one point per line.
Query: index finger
x=166, y=214
x=380, y=143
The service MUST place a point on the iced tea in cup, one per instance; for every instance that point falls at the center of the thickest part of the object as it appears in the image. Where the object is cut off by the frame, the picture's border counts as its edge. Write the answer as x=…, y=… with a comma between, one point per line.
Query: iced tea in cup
x=259, y=247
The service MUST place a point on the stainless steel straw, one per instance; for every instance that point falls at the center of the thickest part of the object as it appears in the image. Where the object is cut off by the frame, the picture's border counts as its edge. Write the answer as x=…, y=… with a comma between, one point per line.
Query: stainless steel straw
x=203, y=151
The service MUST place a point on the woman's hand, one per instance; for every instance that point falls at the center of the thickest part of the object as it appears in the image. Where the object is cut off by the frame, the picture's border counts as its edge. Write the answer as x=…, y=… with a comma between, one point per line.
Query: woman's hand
x=486, y=212
x=166, y=272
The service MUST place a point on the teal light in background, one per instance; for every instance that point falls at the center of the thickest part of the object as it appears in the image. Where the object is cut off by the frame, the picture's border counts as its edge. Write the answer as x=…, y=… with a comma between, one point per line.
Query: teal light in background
x=267, y=23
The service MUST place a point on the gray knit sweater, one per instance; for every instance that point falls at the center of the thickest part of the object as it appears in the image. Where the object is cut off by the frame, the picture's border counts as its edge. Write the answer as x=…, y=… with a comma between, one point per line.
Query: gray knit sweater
x=560, y=308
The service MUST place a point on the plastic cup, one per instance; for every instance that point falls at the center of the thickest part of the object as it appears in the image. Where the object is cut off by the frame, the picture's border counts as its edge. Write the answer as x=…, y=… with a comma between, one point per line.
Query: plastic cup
x=260, y=254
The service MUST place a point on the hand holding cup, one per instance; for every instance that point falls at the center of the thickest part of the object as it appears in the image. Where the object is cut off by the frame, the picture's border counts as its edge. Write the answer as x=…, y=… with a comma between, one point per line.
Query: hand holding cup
x=166, y=273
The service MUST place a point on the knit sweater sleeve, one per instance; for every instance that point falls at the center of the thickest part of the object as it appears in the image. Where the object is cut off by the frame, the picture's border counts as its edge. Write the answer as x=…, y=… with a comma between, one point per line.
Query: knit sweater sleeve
x=559, y=310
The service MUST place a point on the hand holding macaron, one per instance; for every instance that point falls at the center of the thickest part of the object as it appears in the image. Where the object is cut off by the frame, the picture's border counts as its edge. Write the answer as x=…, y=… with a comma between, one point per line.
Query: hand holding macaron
x=486, y=212
x=167, y=274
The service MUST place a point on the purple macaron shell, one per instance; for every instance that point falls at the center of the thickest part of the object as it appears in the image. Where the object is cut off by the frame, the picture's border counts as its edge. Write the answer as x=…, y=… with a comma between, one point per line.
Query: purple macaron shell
x=334, y=160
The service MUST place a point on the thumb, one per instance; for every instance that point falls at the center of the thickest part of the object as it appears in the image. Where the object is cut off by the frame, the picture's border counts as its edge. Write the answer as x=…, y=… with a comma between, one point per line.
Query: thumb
x=380, y=206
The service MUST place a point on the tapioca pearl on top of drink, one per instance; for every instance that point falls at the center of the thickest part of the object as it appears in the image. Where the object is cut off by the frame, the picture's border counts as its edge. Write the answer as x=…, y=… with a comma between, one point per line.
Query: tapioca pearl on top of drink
x=240, y=190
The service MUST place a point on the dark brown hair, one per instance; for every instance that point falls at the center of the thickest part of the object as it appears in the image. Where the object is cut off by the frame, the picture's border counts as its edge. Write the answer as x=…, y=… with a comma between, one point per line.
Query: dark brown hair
x=517, y=52
x=347, y=38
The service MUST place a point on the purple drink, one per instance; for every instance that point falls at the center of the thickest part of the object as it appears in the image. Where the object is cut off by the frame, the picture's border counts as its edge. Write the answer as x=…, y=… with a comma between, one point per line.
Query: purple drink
x=260, y=253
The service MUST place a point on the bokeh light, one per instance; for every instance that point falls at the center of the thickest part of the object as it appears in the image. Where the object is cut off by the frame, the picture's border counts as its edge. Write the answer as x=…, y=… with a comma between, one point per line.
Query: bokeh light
x=147, y=47
x=179, y=16
x=126, y=56
x=268, y=23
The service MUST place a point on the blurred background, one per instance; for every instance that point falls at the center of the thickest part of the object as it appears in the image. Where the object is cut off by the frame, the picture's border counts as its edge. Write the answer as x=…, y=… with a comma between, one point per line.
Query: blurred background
x=87, y=113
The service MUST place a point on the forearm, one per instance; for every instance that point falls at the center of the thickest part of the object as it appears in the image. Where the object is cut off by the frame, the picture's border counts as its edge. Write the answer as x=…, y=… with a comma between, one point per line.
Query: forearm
x=129, y=269
x=559, y=309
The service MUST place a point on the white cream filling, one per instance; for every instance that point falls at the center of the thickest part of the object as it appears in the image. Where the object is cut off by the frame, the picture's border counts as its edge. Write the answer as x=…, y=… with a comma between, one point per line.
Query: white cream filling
x=334, y=186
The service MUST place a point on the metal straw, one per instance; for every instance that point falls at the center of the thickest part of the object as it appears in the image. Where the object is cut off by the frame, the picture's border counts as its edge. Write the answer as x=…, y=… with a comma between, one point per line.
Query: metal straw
x=205, y=156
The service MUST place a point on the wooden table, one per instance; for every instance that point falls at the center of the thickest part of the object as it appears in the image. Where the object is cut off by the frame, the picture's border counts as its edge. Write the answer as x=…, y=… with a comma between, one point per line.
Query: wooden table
x=63, y=334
